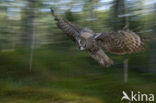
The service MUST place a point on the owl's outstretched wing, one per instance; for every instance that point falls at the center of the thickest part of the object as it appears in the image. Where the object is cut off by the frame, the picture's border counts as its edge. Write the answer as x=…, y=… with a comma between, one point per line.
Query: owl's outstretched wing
x=72, y=30
x=67, y=27
x=121, y=42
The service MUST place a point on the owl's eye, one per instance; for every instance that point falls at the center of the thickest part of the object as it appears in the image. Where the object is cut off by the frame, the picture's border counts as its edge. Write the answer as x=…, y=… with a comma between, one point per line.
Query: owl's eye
x=82, y=43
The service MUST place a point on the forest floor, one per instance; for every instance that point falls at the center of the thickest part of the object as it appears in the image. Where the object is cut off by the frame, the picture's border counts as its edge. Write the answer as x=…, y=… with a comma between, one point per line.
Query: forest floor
x=61, y=75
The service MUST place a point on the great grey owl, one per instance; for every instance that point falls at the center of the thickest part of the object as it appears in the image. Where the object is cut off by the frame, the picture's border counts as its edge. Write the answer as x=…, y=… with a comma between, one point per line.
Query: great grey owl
x=120, y=42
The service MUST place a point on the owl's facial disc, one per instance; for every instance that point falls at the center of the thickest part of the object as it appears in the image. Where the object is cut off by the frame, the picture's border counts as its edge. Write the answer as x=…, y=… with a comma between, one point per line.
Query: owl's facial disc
x=82, y=40
x=81, y=44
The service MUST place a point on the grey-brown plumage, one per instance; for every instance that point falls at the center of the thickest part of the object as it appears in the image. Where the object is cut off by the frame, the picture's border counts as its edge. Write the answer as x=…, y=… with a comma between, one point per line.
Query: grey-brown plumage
x=67, y=27
x=120, y=42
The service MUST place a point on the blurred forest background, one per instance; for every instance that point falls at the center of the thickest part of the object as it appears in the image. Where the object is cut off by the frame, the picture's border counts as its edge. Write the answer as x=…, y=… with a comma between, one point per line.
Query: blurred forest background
x=39, y=64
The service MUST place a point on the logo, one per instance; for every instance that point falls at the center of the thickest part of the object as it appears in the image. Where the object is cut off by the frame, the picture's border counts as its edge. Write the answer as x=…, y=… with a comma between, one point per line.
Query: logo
x=137, y=96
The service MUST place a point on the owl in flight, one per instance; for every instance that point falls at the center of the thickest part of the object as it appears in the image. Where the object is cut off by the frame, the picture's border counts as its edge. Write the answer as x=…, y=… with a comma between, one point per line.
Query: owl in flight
x=120, y=42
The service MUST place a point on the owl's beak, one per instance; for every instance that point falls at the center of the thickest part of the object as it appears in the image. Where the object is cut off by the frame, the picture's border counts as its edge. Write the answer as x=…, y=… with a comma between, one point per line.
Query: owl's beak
x=82, y=48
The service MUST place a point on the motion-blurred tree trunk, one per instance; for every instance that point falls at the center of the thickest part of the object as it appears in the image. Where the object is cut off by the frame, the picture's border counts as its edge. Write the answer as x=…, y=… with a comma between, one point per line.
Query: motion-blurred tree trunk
x=29, y=33
x=28, y=21
x=118, y=12
x=90, y=6
x=152, y=57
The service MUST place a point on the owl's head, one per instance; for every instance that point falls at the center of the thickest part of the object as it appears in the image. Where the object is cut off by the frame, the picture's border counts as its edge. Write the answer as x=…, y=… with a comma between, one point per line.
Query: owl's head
x=82, y=40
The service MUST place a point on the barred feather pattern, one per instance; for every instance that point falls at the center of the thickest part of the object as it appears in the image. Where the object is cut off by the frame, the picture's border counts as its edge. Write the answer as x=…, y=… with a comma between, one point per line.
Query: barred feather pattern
x=67, y=27
x=101, y=57
x=121, y=42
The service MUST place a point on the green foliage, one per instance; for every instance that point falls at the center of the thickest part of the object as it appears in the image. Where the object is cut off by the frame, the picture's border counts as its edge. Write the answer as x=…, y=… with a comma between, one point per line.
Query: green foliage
x=66, y=75
x=69, y=16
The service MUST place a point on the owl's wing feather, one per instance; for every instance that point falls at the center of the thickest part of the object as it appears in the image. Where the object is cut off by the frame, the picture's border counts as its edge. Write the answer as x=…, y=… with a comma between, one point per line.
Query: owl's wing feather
x=121, y=42
x=101, y=57
x=67, y=27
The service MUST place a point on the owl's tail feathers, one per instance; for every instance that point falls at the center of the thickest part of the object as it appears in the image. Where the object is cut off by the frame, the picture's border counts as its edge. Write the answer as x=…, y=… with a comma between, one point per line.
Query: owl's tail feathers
x=102, y=58
x=53, y=14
